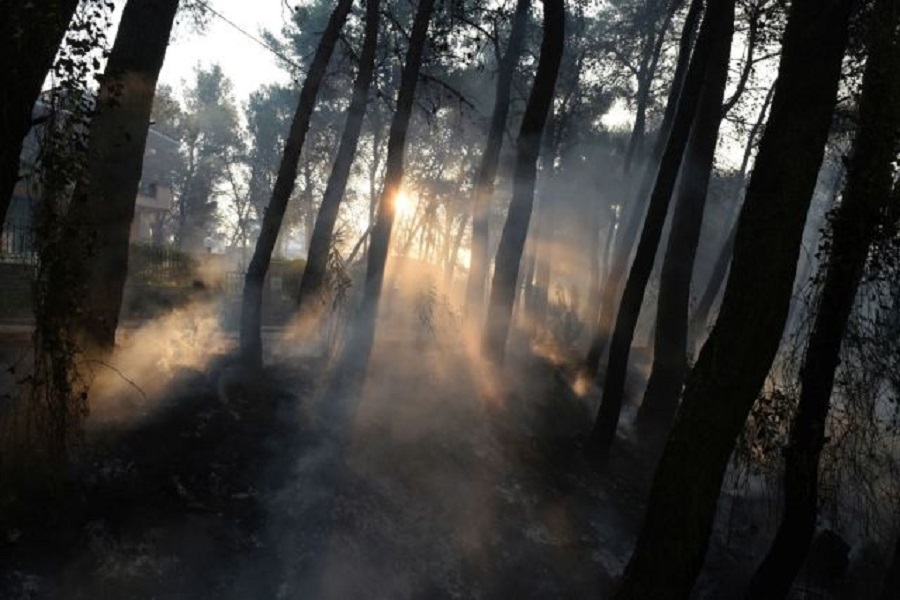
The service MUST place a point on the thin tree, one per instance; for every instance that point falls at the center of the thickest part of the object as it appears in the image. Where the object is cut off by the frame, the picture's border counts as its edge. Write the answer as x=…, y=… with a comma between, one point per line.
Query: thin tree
x=632, y=223
x=853, y=229
x=251, y=304
x=490, y=160
x=321, y=240
x=539, y=256
x=701, y=313
x=734, y=361
x=706, y=71
x=528, y=145
x=891, y=582
x=671, y=331
x=102, y=208
x=30, y=35
x=345, y=383
x=646, y=72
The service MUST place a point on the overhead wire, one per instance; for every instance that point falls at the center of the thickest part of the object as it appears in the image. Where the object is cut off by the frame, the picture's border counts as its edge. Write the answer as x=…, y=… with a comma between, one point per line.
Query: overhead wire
x=205, y=5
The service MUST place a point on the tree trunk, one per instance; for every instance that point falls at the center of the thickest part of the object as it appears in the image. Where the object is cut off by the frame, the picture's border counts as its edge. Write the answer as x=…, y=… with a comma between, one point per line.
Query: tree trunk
x=251, y=305
x=320, y=241
x=102, y=208
x=632, y=222
x=868, y=188
x=733, y=363
x=713, y=47
x=646, y=73
x=720, y=268
x=670, y=337
x=543, y=246
x=700, y=319
x=454, y=250
x=345, y=383
x=595, y=264
x=891, y=582
x=528, y=145
x=523, y=306
x=30, y=35
x=487, y=172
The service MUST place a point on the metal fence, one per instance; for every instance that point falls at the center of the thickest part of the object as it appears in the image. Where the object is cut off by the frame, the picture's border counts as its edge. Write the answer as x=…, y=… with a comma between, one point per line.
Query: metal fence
x=160, y=265
x=17, y=243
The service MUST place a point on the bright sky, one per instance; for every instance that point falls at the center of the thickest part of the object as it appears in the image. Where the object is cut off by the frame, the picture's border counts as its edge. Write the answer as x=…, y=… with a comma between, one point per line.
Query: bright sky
x=245, y=62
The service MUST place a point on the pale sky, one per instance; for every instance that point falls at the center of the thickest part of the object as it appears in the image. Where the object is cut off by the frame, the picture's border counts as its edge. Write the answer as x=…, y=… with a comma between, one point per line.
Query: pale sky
x=245, y=62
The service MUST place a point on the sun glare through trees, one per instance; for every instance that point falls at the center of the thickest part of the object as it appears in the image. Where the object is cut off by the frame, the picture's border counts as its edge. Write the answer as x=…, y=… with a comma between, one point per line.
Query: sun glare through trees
x=450, y=299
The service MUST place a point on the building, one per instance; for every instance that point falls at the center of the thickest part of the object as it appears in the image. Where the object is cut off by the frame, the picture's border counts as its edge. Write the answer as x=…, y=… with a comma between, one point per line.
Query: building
x=155, y=198
x=152, y=206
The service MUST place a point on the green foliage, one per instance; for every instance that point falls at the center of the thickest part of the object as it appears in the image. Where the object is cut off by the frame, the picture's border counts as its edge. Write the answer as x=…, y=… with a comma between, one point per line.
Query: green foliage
x=435, y=314
x=338, y=286
x=211, y=144
x=291, y=272
x=563, y=317
x=47, y=416
x=766, y=431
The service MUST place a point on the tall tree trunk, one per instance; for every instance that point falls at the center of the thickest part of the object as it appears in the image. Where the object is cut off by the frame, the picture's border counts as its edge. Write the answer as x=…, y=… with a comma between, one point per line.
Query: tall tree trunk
x=737, y=356
x=487, y=172
x=595, y=264
x=528, y=145
x=704, y=307
x=868, y=189
x=891, y=582
x=646, y=73
x=713, y=47
x=454, y=250
x=345, y=383
x=30, y=35
x=632, y=218
x=102, y=208
x=543, y=247
x=320, y=241
x=670, y=338
x=523, y=306
x=251, y=305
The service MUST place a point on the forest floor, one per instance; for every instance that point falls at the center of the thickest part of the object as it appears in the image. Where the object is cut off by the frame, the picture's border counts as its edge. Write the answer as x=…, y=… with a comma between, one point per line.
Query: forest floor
x=458, y=482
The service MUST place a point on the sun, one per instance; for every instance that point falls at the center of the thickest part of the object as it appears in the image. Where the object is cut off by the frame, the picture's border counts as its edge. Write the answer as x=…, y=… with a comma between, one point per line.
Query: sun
x=403, y=205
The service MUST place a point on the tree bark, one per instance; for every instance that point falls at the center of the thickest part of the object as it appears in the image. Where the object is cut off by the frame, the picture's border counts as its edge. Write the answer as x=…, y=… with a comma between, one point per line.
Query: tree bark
x=713, y=47
x=490, y=160
x=102, y=208
x=30, y=35
x=345, y=383
x=720, y=268
x=632, y=222
x=646, y=73
x=734, y=361
x=320, y=241
x=546, y=215
x=528, y=145
x=596, y=262
x=853, y=228
x=891, y=582
x=251, y=305
x=671, y=331
x=454, y=250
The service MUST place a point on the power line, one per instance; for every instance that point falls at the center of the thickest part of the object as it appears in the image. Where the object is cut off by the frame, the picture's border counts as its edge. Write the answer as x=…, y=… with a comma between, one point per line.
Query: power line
x=249, y=35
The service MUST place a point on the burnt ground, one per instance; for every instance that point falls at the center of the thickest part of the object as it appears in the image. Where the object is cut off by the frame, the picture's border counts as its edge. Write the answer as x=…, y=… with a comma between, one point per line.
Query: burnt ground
x=455, y=481
x=163, y=507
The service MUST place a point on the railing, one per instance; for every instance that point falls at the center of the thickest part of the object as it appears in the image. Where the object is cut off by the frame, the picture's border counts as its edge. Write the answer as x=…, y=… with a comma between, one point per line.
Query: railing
x=17, y=243
x=234, y=283
x=159, y=265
